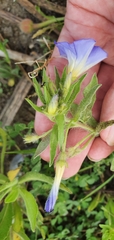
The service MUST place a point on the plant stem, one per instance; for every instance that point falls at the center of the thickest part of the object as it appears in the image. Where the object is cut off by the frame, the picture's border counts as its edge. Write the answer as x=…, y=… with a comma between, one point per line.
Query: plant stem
x=48, y=22
x=98, y=188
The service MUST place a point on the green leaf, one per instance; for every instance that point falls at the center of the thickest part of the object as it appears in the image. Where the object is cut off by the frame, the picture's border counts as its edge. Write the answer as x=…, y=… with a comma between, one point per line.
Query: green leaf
x=53, y=143
x=3, y=194
x=13, y=195
x=32, y=176
x=35, y=107
x=42, y=145
x=73, y=91
x=31, y=207
x=92, y=83
x=2, y=155
x=47, y=95
x=22, y=235
x=3, y=179
x=95, y=202
x=38, y=90
x=57, y=78
x=3, y=49
x=6, y=221
x=60, y=124
x=18, y=219
x=86, y=104
x=8, y=185
x=63, y=77
x=109, y=211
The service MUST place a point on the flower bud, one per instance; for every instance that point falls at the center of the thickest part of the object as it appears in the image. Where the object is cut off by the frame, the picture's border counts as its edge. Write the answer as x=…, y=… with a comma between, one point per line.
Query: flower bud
x=52, y=107
x=30, y=138
x=26, y=25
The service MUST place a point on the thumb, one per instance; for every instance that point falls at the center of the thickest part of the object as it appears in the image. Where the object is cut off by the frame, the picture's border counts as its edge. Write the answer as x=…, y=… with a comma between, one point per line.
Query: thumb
x=107, y=113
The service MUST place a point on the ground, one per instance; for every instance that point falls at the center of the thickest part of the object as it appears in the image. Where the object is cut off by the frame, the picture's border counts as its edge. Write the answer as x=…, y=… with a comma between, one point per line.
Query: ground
x=11, y=13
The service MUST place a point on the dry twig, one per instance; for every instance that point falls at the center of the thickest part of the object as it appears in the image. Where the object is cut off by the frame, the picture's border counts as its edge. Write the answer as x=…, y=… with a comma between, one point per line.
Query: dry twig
x=50, y=6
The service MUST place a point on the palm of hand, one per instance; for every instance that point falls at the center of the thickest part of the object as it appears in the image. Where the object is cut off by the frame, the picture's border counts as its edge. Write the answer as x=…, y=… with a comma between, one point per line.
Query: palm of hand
x=98, y=23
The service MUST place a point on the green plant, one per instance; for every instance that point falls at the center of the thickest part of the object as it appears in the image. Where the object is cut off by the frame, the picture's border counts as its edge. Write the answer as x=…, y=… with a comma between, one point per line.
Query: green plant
x=7, y=69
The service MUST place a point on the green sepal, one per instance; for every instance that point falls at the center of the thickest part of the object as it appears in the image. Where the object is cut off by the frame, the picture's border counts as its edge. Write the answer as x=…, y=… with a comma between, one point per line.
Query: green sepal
x=53, y=143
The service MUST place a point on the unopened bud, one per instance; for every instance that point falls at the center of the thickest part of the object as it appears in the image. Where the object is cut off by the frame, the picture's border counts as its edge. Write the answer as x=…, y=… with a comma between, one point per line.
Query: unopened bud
x=52, y=107
x=26, y=25
x=30, y=138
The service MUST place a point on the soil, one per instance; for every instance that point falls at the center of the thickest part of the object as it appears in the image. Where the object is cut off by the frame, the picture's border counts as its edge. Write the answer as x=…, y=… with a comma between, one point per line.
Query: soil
x=23, y=43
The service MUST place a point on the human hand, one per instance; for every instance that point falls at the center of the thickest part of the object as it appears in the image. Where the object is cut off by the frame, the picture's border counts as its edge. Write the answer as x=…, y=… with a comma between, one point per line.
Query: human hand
x=86, y=19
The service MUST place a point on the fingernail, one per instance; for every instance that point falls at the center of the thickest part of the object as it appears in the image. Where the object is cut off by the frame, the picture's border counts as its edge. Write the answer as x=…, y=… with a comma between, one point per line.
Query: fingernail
x=110, y=136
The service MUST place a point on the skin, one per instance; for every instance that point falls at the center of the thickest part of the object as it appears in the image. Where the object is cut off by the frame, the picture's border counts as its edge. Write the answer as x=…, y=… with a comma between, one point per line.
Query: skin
x=88, y=19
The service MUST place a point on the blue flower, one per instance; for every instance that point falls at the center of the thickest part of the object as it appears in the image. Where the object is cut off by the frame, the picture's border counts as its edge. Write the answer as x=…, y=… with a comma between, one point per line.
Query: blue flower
x=81, y=55
x=50, y=203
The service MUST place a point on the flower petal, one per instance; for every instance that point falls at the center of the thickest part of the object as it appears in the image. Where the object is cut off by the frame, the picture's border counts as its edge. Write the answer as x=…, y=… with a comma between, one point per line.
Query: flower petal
x=50, y=203
x=96, y=56
x=82, y=49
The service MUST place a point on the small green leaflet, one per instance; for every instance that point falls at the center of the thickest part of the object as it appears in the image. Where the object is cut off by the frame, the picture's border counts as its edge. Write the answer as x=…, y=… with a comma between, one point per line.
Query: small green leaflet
x=53, y=143
x=31, y=207
x=35, y=107
x=5, y=221
x=42, y=145
x=60, y=121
